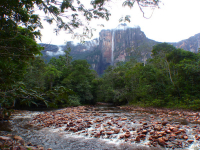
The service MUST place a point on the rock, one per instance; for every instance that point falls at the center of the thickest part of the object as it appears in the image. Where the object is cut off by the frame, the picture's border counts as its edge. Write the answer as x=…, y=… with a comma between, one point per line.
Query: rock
x=73, y=129
x=144, y=123
x=1, y=144
x=116, y=131
x=80, y=128
x=109, y=133
x=123, y=119
x=164, y=123
x=5, y=138
x=121, y=136
x=22, y=148
x=97, y=135
x=178, y=132
x=144, y=132
x=162, y=142
x=22, y=142
x=190, y=141
x=150, y=138
x=70, y=124
x=173, y=135
x=175, y=130
x=15, y=148
x=171, y=138
x=79, y=121
x=137, y=139
x=127, y=134
x=182, y=130
x=168, y=131
x=66, y=129
x=109, y=123
x=29, y=144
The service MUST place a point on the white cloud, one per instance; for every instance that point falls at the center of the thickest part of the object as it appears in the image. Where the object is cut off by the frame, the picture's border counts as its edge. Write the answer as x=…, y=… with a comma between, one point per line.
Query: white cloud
x=174, y=21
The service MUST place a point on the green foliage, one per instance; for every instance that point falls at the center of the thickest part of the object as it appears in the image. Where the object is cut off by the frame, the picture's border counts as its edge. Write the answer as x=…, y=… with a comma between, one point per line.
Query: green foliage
x=169, y=79
x=80, y=79
x=59, y=97
x=74, y=100
x=19, y=26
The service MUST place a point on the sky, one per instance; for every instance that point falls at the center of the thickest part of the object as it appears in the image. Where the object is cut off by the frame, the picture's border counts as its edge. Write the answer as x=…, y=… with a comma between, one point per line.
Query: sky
x=174, y=21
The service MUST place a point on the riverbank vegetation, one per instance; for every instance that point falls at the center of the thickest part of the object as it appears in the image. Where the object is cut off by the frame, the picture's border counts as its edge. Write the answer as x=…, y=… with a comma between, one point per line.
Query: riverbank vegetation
x=169, y=79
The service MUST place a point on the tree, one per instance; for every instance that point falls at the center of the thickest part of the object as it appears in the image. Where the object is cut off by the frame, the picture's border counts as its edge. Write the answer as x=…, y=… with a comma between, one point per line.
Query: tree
x=51, y=74
x=19, y=27
x=80, y=80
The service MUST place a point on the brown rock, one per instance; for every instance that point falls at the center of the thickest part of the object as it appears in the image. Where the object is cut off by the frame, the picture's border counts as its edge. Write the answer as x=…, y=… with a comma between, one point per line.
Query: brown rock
x=190, y=141
x=144, y=132
x=164, y=123
x=67, y=128
x=168, y=131
x=79, y=121
x=162, y=142
x=109, y=123
x=171, y=128
x=165, y=138
x=175, y=130
x=5, y=138
x=123, y=119
x=185, y=137
x=22, y=148
x=137, y=139
x=116, y=131
x=127, y=134
x=150, y=138
x=173, y=135
x=109, y=133
x=182, y=130
x=73, y=129
x=121, y=136
x=15, y=148
x=142, y=135
x=178, y=132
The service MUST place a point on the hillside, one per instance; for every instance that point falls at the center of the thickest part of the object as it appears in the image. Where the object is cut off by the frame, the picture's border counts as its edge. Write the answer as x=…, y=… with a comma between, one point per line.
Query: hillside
x=120, y=44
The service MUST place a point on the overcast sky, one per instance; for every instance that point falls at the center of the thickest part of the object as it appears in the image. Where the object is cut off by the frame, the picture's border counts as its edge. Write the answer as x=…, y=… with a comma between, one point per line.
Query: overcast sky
x=174, y=21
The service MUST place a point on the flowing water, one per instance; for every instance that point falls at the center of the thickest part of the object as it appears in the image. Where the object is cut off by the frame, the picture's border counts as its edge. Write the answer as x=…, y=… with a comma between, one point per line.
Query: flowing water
x=59, y=138
x=113, y=46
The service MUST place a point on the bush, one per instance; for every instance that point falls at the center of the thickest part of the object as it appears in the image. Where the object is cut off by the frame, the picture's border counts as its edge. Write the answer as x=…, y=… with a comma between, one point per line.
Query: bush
x=74, y=100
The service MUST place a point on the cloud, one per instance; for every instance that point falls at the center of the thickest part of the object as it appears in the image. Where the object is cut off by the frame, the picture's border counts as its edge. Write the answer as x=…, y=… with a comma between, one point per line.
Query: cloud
x=174, y=21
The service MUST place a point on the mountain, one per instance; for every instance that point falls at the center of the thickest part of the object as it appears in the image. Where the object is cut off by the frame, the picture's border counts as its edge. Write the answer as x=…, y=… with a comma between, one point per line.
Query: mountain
x=119, y=44
x=191, y=44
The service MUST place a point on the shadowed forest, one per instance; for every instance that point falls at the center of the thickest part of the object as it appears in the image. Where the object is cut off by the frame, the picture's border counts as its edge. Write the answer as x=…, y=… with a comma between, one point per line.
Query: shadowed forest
x=169, y=79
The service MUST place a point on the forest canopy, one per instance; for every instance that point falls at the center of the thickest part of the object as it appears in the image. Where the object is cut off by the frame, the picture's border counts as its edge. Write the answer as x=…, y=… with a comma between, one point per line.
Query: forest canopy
x=169, y=79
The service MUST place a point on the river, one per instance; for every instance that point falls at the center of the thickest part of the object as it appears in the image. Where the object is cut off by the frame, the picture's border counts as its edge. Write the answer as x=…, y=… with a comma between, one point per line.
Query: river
x=106, y=127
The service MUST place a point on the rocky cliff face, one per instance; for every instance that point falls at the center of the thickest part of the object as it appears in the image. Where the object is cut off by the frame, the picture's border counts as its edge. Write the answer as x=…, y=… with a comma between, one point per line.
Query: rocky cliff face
x=120, y=44
x=192, y=44
x=123, y=44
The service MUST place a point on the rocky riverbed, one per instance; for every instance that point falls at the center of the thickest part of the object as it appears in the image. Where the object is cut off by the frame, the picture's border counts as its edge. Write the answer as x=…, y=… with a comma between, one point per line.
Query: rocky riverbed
x=106, y=127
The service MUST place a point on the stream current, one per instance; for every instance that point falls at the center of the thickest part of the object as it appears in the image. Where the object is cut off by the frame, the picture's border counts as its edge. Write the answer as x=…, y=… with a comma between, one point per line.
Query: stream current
x=58, y=138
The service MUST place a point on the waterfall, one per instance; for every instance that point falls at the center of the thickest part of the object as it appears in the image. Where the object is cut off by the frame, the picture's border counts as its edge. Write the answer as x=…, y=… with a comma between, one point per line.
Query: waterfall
x=113, y=45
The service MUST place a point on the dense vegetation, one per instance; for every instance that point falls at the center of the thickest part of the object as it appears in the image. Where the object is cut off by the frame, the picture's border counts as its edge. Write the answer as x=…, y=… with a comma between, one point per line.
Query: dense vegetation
x=169, y=79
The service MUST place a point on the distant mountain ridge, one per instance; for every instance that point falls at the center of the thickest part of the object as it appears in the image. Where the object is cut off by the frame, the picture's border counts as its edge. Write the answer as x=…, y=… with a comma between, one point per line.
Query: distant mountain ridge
x=112, y=46
x=191, y=44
